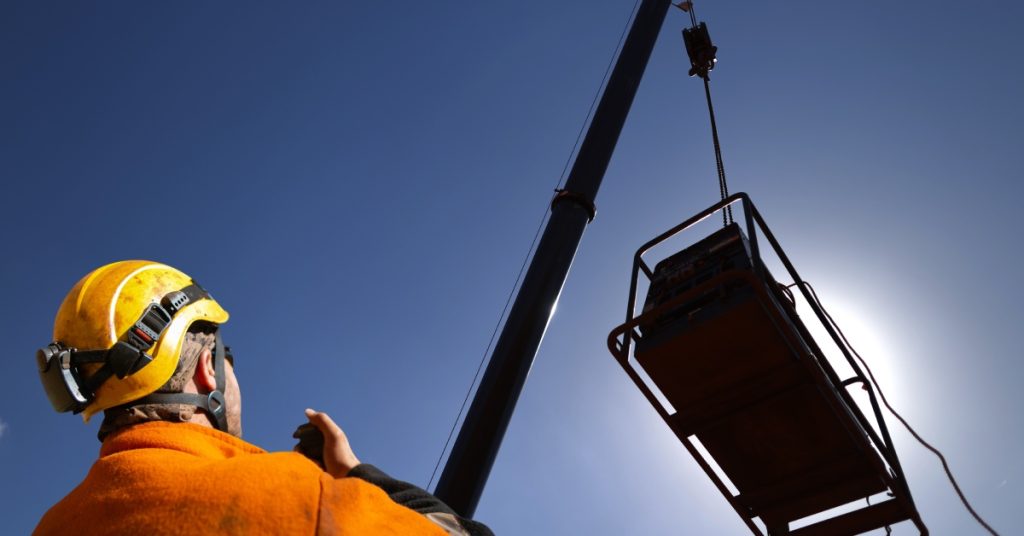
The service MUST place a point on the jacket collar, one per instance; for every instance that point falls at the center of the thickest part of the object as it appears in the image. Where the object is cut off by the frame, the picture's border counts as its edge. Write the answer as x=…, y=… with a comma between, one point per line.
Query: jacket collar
x=186, y=437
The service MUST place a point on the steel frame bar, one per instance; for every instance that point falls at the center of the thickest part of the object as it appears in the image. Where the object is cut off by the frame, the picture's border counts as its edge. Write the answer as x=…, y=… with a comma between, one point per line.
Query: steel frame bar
x=753, y=221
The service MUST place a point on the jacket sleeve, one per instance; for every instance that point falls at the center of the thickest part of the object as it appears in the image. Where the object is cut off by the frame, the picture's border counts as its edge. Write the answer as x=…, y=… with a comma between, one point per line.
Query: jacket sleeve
x=419, y=500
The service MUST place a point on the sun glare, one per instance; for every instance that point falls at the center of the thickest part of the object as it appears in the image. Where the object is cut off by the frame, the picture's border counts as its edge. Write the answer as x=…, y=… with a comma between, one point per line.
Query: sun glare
x=865, y=334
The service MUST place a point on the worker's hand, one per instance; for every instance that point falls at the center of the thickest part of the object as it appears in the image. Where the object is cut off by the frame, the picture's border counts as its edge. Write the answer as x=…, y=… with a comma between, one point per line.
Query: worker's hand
x=338, y=456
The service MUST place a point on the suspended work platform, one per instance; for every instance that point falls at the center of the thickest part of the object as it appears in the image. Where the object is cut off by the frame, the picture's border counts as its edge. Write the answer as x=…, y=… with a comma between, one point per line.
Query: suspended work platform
x=744, y=379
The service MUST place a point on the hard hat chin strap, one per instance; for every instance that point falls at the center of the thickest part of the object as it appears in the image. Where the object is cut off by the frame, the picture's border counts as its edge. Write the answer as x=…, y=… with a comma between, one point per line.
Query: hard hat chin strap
x=213, y=403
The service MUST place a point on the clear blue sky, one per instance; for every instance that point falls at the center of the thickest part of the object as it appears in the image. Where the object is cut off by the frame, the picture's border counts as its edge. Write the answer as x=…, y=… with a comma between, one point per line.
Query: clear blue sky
x=357, y=183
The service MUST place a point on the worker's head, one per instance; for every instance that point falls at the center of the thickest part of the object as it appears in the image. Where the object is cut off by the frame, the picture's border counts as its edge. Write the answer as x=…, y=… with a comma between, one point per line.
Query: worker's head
x=196, y=373
x=140, y=341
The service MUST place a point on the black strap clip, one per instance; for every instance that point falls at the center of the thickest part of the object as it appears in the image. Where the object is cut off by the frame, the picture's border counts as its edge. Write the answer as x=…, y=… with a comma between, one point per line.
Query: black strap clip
x=125, y=359
x=174, y=301
x=147, y=330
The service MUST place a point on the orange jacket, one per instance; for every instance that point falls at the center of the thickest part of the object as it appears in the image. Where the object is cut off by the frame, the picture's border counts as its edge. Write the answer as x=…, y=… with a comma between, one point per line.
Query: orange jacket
x=163, y=478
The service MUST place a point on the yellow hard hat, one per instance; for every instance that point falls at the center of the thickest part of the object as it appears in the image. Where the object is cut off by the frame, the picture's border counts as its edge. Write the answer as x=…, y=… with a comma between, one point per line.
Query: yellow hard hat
x=118, y=335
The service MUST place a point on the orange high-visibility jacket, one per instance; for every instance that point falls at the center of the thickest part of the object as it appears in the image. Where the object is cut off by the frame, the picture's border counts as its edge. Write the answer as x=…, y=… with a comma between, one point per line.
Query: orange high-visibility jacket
x=179, y=478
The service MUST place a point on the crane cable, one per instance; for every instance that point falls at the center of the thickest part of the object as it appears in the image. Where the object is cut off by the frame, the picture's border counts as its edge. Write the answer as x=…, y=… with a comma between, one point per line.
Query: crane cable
x=536, y=235
x=702, y=61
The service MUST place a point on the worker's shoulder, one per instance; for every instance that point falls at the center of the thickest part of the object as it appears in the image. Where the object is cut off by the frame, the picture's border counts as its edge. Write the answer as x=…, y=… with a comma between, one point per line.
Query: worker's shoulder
x=254, y=493
x=283, y=463
x=164, y=454
x=275, y=470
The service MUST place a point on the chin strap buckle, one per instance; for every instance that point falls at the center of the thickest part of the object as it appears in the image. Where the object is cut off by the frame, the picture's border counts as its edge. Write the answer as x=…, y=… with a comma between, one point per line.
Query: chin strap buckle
x=217, y=407
x=148, y=329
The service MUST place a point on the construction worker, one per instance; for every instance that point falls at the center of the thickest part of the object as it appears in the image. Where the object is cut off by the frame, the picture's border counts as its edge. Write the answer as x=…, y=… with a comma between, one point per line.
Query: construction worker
x=140, y=341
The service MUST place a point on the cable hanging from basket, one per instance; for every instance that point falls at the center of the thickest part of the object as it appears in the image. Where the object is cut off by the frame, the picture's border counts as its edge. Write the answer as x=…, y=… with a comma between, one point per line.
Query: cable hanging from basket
x=878, y=389
x=702, y=62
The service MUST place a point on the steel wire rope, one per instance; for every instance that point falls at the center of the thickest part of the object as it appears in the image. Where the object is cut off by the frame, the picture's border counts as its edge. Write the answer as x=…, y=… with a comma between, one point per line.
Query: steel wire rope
x=723, y=185
x=533, y=243
x=935, y=451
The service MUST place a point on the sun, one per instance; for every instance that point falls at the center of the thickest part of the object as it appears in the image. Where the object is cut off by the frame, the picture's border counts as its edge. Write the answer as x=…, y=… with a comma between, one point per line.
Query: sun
x=864, y=332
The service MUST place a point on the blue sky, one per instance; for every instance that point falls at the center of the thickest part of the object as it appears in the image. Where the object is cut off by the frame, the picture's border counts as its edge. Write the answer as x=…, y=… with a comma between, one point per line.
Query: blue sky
x=357, y=183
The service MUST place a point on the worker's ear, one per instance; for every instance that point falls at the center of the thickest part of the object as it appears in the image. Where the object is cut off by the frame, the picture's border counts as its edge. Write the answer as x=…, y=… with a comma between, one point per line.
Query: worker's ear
x=205, y=377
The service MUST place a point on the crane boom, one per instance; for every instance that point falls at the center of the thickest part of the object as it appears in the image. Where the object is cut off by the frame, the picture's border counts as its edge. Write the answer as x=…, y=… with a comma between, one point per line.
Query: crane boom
x=465, y=474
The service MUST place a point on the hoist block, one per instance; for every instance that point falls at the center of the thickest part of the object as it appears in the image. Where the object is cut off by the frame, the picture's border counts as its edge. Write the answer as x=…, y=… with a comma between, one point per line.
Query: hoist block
x=722, y=342
x=700, y=50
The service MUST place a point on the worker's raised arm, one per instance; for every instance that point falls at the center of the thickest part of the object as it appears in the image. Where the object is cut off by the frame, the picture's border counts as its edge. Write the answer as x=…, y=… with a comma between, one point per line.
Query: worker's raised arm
x=418, y=499
x=332, y=450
